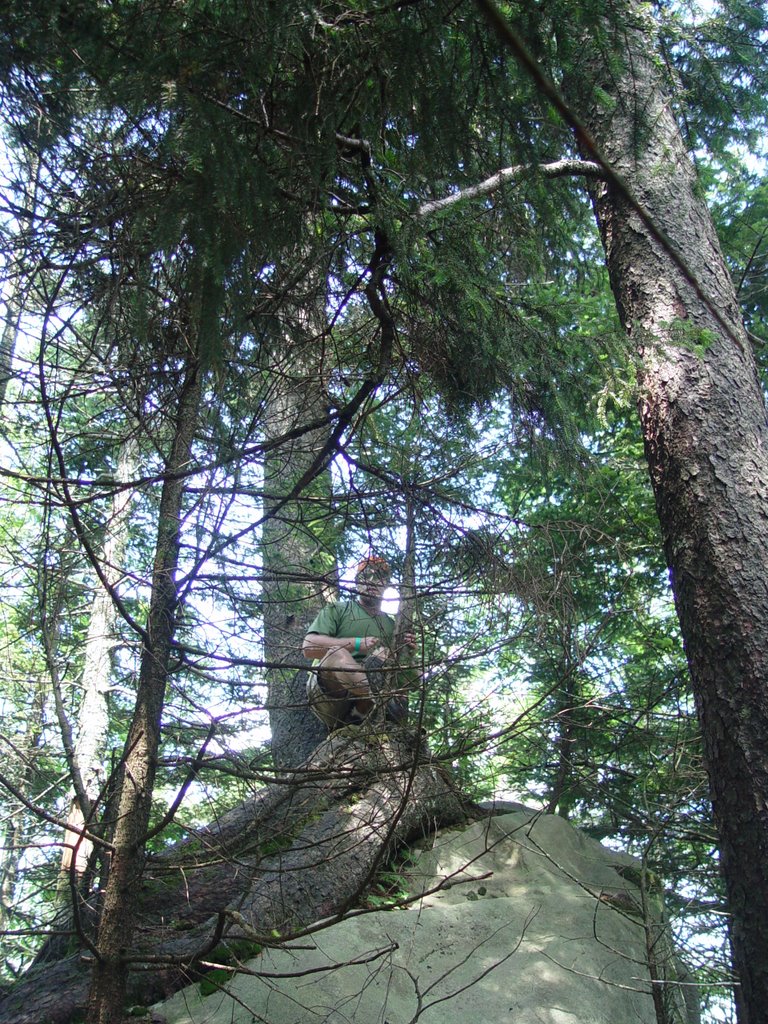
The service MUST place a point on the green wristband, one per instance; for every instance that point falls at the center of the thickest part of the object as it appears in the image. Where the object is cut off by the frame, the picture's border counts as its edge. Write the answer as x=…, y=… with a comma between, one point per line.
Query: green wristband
x=358, y=641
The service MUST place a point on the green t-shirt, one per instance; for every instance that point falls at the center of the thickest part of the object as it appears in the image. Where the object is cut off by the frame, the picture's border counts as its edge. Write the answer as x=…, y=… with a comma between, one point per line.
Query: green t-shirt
x=349, y=619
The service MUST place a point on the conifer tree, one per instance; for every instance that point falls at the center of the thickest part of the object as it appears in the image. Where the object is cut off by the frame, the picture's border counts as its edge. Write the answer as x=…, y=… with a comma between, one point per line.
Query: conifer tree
x=439, y=191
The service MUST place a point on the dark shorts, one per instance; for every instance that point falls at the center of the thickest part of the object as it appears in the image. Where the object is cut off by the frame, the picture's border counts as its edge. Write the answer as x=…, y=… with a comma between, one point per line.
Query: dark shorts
x=333, y=709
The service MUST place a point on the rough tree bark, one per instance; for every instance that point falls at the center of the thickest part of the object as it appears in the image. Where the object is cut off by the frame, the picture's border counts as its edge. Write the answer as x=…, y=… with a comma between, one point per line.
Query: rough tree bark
x=704, y=425
x=301, y=851
x=299, y=570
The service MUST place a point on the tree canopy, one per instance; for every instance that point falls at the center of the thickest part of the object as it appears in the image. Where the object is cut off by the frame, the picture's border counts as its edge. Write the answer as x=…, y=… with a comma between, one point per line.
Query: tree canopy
x=288, y=283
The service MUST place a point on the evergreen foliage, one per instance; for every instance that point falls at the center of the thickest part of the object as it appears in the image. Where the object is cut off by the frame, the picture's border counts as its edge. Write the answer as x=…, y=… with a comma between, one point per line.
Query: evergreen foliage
x=213, y=177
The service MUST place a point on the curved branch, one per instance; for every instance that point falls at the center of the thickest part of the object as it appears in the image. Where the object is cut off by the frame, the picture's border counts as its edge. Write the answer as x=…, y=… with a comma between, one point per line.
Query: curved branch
x=557, y=169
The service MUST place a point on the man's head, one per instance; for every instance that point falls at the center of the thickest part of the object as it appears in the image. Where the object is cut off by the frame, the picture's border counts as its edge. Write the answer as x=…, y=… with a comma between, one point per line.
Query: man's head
x=374, y=567
x=372, y=578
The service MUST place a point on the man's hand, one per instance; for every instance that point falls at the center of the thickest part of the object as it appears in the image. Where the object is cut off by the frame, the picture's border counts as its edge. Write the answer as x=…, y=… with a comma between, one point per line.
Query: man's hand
x=317, y=645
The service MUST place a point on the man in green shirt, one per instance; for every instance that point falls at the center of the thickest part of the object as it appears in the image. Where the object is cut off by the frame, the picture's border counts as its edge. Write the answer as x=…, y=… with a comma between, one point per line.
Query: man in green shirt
x=351, y=645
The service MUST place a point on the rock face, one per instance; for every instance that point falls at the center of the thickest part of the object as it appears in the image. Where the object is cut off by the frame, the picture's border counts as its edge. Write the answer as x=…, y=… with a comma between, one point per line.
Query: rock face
x=521, y=918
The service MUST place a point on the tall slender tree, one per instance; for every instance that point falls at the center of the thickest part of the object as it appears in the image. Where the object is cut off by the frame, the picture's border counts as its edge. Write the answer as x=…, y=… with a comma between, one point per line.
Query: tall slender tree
x=89, y=766
x=133, y=800
x=704, y=425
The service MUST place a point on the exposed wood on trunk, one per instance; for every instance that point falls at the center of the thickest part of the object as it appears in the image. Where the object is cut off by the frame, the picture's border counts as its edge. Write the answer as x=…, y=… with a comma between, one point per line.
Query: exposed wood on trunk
x=93, y=715
x=20, y=286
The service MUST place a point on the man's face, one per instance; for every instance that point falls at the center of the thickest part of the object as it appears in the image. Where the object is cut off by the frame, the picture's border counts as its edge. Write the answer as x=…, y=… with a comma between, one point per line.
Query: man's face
x=372, y=582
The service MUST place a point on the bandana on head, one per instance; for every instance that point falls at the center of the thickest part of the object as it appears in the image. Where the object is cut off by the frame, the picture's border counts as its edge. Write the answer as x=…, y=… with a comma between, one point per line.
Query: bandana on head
x=373, y=568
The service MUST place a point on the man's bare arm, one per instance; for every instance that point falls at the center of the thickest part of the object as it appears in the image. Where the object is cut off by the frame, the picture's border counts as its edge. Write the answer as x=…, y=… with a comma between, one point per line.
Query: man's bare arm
x=317, y=645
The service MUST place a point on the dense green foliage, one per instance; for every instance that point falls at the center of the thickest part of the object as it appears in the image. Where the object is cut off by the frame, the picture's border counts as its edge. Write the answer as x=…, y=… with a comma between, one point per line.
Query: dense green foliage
x=181, y=177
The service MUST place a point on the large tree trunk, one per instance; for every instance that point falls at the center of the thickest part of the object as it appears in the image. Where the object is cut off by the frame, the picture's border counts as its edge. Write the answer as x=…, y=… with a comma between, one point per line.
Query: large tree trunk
x=704, y=425
x=302, y=850
x=299, y=555
x=137, y=771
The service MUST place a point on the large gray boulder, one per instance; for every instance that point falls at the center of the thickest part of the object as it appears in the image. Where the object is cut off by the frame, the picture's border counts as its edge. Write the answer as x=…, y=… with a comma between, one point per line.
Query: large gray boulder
x=520, y=918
